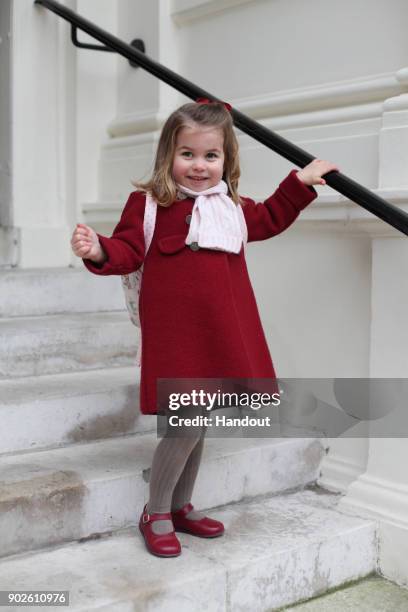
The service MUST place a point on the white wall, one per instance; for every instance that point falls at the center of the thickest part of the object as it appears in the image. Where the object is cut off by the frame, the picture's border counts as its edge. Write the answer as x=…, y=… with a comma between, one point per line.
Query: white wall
x=277, y=45
x=97, y=96
x=5, y=115
x=42, y=193
x=60, y=103
x=313, y=291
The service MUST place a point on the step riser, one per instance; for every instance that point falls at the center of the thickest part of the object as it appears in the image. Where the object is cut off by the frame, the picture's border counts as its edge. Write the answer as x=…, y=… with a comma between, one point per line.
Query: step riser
x=26, y=293
x=66, y=508
x=204, y=594
x=70, y=420
x=39, y=350
x=314, y=569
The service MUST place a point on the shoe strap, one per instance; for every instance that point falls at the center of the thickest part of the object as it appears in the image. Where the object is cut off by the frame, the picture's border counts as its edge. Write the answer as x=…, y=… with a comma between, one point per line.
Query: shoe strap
x=184, y=510
x=155, y=516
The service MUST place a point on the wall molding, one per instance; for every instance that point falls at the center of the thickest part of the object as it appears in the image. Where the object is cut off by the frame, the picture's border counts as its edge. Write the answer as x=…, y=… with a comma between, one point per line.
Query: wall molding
x=338, y=473
x=378, y=498
x=342, y=214
x=9, y=246
x=363, y=90
x=134, y=124
x=331, y=102
x=186, y=11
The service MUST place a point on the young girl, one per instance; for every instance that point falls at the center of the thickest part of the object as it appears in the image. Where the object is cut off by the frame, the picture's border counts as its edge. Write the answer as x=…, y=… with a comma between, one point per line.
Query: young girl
x=198, y=313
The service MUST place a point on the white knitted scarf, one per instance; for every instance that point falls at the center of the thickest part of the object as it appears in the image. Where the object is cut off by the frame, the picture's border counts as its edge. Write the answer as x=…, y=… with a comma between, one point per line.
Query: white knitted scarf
x=216, y=221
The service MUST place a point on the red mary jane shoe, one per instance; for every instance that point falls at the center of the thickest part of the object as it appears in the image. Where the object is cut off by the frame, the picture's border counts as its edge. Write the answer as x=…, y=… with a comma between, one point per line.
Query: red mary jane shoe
x=161, y=545
x=204, y=528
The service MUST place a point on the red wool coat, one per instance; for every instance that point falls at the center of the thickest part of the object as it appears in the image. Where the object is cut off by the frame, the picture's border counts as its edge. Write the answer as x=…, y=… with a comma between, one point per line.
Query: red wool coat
x=199, y=317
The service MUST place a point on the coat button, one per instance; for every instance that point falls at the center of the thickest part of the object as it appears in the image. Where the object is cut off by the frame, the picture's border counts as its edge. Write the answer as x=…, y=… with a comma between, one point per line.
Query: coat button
x=188, y=219
x=194, y=246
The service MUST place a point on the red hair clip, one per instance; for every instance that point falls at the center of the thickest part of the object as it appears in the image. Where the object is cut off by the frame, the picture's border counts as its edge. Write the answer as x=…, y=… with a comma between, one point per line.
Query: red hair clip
x=207, y=101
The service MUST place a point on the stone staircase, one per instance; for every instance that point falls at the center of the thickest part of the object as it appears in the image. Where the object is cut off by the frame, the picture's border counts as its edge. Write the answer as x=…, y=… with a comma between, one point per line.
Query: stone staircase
x=74, y=462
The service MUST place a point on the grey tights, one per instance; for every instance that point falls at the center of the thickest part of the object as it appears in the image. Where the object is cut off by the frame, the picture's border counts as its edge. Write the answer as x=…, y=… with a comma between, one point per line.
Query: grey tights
x=172, y=477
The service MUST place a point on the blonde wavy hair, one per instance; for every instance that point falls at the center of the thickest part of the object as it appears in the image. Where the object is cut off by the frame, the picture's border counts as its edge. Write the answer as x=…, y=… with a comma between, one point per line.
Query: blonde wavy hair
x=161, y=185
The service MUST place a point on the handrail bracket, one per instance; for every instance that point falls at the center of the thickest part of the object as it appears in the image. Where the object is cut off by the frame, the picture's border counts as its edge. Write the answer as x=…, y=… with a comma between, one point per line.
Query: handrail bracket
x=137, y=43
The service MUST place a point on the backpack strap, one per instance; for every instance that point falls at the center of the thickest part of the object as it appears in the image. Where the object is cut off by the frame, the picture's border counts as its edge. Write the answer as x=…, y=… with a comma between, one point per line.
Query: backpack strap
x=131, y=283
x=243, y=225
x=149, y=221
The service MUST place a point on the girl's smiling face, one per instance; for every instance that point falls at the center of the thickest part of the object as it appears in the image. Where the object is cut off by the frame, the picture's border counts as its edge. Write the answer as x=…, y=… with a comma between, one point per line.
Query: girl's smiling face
x=198, y=157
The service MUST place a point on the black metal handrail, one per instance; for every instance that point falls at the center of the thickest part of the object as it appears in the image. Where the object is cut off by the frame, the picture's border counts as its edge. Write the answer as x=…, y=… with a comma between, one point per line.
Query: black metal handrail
x=338, y=181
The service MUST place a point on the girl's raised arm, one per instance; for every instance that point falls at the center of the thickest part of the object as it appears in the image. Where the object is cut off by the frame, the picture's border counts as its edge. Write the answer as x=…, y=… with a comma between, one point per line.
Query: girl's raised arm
x=125, y=249
x=280, y=210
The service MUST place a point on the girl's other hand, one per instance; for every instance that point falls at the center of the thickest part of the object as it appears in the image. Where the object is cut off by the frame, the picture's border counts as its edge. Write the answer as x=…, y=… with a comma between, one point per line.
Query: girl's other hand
x=313, y=172
x=85, y=244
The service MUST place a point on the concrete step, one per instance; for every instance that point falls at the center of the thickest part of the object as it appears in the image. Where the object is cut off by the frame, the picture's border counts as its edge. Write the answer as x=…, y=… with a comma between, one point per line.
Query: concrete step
x=370, y=594
x=275, y=551
x=45, y=291
x=39, y=412
x=48, y=497
x=33, y=346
